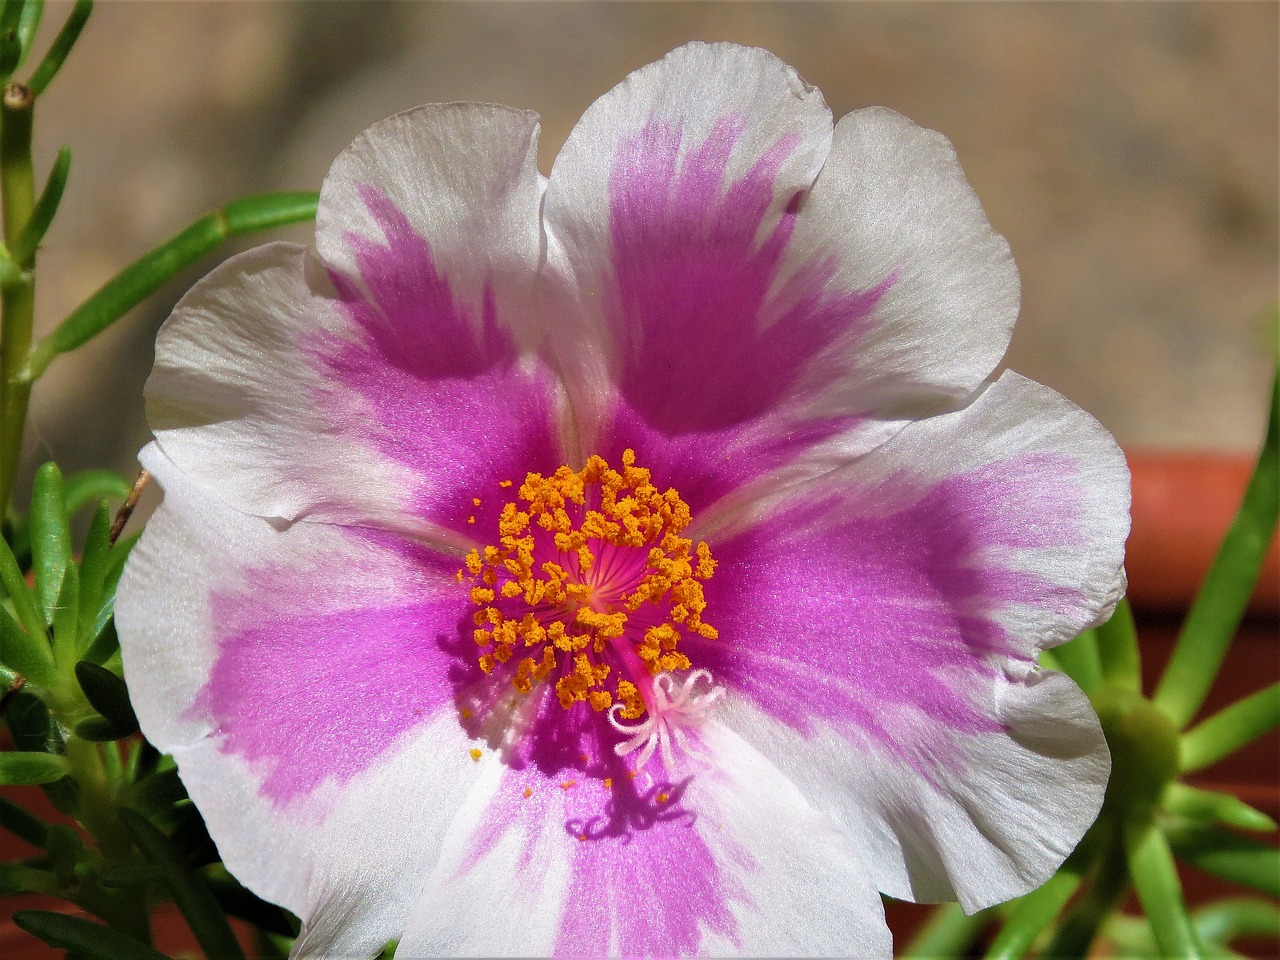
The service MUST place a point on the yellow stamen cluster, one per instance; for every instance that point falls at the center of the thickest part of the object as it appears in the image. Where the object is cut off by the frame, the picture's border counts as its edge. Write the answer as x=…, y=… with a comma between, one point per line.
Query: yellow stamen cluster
x=563, y=613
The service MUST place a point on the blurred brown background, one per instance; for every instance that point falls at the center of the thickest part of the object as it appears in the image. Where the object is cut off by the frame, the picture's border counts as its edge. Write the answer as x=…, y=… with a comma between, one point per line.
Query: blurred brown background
x=1128, y=151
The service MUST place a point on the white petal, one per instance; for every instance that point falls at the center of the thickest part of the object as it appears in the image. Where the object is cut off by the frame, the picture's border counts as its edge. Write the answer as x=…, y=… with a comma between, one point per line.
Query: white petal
x=463, y=180
x=902, y=693
x=976, y=818
x=892, y=205
x=296, y=678
x=390, y=388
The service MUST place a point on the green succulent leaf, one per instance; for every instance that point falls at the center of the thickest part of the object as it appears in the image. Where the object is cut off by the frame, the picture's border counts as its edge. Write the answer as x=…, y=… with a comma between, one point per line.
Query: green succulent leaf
x=131, y=876
x=15, y=584
x=950, y=932
x=28, y=24
x=16, y=878
x=61, y=47
x=28, y=655
x=157, y=793
x=27, y=768
x=145, y=275
x=107, y=694
x=1118, y=652
x=1155, y=876
x=101, y=730
x=1080, y=660
x=192, y=895
x=1214, y=807
x=83, y=938
x=1227, y=920
x=1230, y=729
x=50, y=538
x=18, y=821
x=1233, y=857
x=63, y=848
x=92, y=486
x=23, y=250
x=1032, y=914
x=31, y=725
x=1216, y=612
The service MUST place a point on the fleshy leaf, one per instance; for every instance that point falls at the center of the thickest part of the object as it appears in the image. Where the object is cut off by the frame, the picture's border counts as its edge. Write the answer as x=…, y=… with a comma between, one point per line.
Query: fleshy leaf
x=25, y=768
x=107, y=694
x=1216, y=612
x=50, y=538
x=84, y=938
x=205, y=917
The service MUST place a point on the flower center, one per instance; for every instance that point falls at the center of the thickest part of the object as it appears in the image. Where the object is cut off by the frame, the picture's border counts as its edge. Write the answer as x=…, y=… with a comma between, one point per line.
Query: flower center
x=591, y=583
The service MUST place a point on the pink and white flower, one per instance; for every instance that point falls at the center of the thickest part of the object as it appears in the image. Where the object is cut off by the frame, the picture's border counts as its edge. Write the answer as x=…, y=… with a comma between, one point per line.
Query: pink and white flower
x=765, y=640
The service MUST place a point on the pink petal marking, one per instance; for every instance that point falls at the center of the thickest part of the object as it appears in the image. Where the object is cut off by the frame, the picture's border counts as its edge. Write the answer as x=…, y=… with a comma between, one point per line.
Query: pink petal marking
x=637, y=864
x=430, y=384
x=307, y=695
x=711, y=345
x=911, y=638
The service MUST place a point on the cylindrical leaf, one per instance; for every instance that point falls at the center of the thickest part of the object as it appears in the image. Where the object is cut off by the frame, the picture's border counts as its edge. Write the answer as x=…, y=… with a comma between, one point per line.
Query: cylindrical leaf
x=1118, y=649
x=949, y=933
x=93, y=568
x=24, y=248
x=61, y=46
x=50, y=538
x=22, y=824
x=107, y=694
x=141, y=278
x=24, y=653
x=28, y=24
x=90, y=486
x=25, y=768
x=1032, y=914
x=15, y=585
x=1233, y=857
x=101, y=730
x=1156, y=879
x=205, y=917
x=15, y=878
x=131, y=876
x=1214, y=807
x=1230, y=729
x=1220, y=923
x=84, y=938
x=1079, y=660
x=1216, y=612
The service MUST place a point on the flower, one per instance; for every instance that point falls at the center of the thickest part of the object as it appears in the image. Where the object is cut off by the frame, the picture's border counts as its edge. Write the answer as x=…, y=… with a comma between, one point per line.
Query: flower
x=632, y=561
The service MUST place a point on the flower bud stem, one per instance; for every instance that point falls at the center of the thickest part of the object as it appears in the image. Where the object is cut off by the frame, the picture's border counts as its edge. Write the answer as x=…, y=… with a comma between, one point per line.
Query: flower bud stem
x=17, y=296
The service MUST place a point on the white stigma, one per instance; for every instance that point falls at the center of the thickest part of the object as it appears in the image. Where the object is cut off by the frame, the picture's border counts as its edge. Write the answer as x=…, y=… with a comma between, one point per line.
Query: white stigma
x=671, y=711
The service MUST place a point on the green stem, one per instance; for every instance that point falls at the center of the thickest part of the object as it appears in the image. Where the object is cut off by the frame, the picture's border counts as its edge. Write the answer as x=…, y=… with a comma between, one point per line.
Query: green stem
x=17, y=297
x=1221, y=603
x=1156, y=878
x=96, y=811
x=1106, y=891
